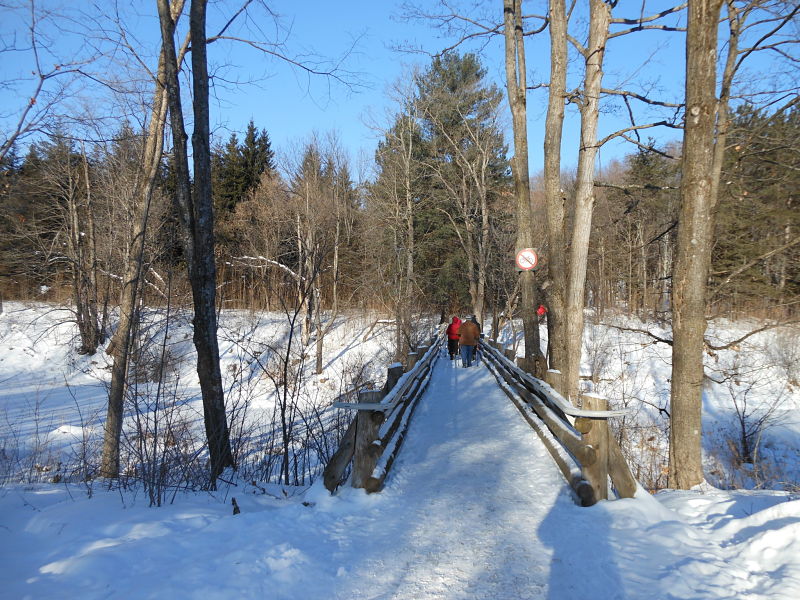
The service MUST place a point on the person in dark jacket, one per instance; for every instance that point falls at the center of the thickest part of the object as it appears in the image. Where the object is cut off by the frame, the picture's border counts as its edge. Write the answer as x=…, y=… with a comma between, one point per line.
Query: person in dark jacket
x=452, y=337
x=468, y=339
x=476, y=355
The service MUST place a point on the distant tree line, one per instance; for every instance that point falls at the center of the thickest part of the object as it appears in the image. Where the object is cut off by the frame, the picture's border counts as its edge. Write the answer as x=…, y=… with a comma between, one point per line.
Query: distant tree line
x=432, y=230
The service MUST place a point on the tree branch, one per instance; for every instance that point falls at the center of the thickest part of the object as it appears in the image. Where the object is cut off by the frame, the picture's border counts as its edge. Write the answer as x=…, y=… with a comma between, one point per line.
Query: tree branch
x=634, y=95
x=739, y=340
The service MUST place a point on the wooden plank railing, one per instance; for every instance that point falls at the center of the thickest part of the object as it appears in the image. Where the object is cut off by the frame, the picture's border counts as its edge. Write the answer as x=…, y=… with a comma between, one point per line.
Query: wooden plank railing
x=377, y=432
x=578, y=438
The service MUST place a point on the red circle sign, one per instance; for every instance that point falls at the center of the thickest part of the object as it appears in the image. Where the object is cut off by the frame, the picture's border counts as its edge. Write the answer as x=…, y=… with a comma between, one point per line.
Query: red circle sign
x=527, y=259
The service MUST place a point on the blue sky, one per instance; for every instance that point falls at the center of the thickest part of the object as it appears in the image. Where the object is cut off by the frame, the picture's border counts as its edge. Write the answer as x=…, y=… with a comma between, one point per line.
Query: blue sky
x=290, y=105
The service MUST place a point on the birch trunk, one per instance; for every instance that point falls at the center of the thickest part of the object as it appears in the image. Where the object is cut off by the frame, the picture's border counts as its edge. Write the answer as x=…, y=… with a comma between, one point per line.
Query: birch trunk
x=599, y=19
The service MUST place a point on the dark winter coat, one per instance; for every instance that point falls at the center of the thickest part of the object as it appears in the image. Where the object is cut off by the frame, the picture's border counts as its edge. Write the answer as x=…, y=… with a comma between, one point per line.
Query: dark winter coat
x=469, y=333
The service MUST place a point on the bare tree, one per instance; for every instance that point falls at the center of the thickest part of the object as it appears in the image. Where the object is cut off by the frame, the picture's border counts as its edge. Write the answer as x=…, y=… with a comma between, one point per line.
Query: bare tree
x=555, y=197
x=197, y=221
x=120, y=345
x=517, y=100
x=46, y=81
x=391, y=207
x=704, y=141
x=693, y=254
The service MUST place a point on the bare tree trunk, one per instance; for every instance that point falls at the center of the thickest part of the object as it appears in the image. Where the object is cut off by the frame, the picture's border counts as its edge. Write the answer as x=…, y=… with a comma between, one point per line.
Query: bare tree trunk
x=599, y=19
x=120, y=344
x=554, y=195
x=90, y=255
x=516, y=86
x=319, y=330
x=197, y=219
x=693, y=253
x=203, y=276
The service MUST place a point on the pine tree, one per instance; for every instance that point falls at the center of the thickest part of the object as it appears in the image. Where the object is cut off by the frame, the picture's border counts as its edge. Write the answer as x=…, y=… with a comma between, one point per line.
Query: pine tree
x=237, y=167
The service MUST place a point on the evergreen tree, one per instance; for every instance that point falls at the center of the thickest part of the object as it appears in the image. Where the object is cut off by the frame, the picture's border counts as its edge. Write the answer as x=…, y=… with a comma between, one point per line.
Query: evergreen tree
x=237, y=167
x=467, y=170
x=443, y=162
x=756, y=255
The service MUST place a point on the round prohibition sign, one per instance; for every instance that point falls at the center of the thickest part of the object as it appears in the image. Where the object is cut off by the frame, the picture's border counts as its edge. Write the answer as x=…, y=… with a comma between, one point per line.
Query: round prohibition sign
x=527, y=259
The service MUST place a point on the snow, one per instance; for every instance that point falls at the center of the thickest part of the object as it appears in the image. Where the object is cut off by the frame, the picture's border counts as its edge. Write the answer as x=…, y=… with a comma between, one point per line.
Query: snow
x=473, y=507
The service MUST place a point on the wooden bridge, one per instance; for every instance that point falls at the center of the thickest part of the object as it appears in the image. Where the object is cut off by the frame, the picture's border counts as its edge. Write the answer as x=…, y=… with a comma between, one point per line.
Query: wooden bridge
x=578, y=439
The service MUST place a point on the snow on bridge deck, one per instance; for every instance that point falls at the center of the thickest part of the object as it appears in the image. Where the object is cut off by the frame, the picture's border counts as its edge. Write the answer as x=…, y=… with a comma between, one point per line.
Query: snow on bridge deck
x=473, y=508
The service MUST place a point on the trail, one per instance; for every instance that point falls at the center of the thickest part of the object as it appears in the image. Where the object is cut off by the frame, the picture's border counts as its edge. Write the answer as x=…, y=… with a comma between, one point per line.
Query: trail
x=473, y=509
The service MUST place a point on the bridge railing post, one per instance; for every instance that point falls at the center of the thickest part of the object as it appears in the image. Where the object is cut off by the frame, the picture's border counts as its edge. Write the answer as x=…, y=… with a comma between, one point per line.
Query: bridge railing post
x=553, y=378
x=393, y=374
x=368, y=423
x=595, y=434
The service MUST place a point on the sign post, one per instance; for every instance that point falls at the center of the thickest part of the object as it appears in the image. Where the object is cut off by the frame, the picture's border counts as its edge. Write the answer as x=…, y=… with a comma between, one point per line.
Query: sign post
x=527, y=259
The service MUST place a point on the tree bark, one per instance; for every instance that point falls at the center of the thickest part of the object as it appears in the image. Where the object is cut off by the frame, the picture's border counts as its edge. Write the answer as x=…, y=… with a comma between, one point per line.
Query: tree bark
x=599, y=19
x=693, y=253
x=197, y=221
x=554, y=195
x=516, y=87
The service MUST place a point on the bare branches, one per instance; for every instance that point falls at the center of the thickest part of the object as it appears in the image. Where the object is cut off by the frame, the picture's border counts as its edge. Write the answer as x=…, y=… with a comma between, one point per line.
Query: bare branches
x=627, y=188
x=621, y=133
x=461, y=24
x=332, y=70
x=640, y=22
x=47, y=86
x=650, y=334
x=749, y=334
x=758, y=45
x=629, y=94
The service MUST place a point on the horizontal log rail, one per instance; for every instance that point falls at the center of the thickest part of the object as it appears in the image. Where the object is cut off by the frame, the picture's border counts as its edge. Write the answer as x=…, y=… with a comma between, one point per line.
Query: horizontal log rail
x=578, y=439
x=373, y=439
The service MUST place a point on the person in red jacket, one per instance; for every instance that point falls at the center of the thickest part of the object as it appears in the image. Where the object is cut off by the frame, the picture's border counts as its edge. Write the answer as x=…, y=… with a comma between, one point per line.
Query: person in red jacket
x=452, y=337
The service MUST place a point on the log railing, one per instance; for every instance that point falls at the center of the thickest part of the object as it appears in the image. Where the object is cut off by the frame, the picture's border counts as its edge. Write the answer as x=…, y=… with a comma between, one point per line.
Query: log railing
x=377, y=432
x=578, y=438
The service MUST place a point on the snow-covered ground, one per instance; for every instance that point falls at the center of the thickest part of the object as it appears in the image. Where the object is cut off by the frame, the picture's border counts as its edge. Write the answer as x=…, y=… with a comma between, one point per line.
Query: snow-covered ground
x=473, y=507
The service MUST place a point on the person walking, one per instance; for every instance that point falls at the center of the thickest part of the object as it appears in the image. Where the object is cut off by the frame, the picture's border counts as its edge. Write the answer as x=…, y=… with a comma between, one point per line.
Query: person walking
x=452, y=337
x=468, y=339
x=477, y=352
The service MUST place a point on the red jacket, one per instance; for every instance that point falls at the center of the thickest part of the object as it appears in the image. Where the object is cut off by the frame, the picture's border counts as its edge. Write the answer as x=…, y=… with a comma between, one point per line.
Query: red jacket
x=452, y=329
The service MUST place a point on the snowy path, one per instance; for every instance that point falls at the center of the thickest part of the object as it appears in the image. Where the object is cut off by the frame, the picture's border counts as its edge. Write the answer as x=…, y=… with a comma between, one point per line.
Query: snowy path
x=466, y=500
x=474, y=509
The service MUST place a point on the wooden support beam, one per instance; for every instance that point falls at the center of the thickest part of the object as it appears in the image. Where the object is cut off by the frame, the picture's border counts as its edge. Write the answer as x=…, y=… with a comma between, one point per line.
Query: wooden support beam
x=619, y=471
x=366, y=453
x=595, y=434
x=553, y=378
x=332, y=475
x=393, y=374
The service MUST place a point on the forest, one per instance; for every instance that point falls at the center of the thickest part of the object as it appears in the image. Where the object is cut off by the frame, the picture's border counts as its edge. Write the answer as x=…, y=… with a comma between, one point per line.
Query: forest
x=120, y=219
